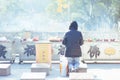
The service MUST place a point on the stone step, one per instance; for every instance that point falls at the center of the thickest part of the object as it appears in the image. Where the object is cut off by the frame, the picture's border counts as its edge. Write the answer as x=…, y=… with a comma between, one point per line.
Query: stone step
x=80, y=76
x=5, y=69
x=40, y=67
x=82, y=68
x=33, y=76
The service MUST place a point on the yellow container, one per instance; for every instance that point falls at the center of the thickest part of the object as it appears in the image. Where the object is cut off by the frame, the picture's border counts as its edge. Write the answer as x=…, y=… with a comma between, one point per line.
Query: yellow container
x=43, y=52
x=60, y=66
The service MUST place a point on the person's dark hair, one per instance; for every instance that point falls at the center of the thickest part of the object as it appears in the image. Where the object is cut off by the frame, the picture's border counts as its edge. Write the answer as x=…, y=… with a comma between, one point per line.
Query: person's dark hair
x=73, y=26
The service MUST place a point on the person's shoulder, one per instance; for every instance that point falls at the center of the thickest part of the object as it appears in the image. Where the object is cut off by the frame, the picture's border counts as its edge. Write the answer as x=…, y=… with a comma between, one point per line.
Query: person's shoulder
x=79, y=31
x=67, y=32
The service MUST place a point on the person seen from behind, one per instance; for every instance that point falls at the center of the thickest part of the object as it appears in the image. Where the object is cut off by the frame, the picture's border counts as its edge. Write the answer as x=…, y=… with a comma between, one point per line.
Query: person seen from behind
x=72, y=40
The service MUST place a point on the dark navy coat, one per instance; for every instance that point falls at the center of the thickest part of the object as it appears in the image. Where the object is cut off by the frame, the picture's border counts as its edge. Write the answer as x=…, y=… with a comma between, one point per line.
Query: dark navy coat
x=73, y=39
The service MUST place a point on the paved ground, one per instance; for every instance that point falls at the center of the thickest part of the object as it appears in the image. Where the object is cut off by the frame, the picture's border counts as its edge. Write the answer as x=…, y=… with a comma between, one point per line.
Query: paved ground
x=103, y=71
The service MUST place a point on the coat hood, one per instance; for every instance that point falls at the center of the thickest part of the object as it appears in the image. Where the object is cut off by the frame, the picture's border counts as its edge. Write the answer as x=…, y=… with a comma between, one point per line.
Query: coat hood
x=73, y=26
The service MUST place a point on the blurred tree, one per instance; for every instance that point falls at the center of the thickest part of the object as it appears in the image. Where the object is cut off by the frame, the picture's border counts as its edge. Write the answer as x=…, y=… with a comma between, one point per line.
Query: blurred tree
x=58, y=10
x=9, y=9
x=93, y=13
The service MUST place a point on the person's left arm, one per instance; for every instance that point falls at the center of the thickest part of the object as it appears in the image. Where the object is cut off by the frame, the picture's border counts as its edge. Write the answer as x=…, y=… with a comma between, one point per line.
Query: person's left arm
x=81, y=39
x=64, y=40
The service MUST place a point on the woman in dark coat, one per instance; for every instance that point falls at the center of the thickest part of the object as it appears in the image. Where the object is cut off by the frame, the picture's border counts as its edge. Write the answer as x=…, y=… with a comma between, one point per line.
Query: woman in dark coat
x=73, y=39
